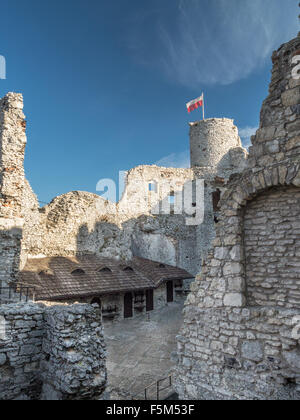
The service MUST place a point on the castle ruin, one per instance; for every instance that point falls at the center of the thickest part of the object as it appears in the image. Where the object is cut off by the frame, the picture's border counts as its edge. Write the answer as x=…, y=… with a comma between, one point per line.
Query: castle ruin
x=238, y=340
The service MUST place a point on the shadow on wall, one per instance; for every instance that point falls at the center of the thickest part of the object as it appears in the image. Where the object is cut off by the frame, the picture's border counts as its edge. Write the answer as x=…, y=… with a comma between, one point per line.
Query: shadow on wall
x=161, y=237
x=235, y=158
x=105, y=240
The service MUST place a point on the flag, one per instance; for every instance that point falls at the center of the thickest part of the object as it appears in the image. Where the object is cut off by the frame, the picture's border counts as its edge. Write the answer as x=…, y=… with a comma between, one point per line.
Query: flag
x=192, y=105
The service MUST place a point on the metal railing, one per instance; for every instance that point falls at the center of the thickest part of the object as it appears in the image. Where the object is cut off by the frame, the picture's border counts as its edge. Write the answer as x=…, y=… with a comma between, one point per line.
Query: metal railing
x=19, y=292
x=156, y=388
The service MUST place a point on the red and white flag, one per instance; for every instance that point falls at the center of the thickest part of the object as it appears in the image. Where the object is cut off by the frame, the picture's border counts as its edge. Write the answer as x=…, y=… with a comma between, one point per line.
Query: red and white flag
x=196, y=103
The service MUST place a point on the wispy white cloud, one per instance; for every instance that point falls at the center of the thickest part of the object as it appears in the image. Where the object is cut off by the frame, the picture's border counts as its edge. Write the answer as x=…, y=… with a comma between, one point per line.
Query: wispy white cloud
x=245, y=135
x=218, y=41
x=175, y=160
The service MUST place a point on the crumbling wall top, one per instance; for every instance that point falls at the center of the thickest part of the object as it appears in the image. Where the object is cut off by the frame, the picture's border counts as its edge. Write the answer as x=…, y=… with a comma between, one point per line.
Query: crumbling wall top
x=278, y=137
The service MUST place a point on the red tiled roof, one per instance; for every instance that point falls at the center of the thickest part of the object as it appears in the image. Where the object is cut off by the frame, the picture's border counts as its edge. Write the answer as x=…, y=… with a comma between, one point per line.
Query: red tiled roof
x=55, y=280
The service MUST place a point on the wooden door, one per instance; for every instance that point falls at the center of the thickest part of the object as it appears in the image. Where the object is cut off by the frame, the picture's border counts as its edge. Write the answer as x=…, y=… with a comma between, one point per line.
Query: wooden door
x=170, y=291
x=128, y=309
x=149, y=300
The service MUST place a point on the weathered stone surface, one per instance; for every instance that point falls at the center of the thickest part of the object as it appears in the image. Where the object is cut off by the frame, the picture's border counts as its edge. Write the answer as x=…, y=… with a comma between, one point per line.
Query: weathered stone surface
x=296, y=180
x=37, y=361
x=293, y=358
x=211, y=141
x=291, y=97
x=12, y=144
x=271, y=243
x=243, y=313
x=252, y=350
x=293, y=143
x=3, y=359
x=234, y=300
x=76, y=372
x=140, y=223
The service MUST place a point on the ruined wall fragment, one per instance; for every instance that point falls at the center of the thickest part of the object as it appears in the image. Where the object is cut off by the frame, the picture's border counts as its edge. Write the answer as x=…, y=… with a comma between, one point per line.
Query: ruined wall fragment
x=12, y=146
x=51, y=353
x=240, y=338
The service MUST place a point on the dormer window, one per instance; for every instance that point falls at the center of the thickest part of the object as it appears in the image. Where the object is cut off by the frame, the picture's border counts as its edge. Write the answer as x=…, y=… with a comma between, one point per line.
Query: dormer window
x=78, y=272
x=104, y=270
x=162, y=266
x=128, y=268
x=45, y=272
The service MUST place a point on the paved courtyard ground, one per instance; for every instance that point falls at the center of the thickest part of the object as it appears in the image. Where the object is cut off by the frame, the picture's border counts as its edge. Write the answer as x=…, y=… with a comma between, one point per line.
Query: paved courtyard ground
x=139, y=351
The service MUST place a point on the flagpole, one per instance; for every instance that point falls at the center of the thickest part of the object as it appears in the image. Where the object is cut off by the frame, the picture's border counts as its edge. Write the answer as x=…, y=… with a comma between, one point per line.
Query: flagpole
x=203, y=109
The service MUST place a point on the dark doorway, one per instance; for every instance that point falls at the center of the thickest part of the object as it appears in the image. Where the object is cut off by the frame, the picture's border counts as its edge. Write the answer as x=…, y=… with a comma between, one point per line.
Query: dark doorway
x=149, y=300
x=128, y=310
x=170, y=291
x=216, y=197
x=96, y=301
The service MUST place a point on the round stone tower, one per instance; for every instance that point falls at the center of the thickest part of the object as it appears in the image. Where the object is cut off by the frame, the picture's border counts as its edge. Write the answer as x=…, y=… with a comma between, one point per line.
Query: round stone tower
x=211, y=140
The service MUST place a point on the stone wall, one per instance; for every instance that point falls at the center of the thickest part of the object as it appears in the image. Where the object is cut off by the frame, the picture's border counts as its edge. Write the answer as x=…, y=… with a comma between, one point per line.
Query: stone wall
x=278, y=136
x=54, y=352
x=212, y=142
x=238, y=354
x=272, y=248
x=74, y=362
x=12, y=146
x=20, y=351
x=143, y=223
x=240, y=338
x=227, y=317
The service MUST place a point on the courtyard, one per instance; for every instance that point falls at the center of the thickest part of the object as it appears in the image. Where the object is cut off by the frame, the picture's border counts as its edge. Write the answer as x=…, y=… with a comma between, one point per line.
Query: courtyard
x=139, y=352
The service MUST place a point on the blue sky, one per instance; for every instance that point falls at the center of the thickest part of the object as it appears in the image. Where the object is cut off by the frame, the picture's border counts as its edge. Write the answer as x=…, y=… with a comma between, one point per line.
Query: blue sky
x=105, y=82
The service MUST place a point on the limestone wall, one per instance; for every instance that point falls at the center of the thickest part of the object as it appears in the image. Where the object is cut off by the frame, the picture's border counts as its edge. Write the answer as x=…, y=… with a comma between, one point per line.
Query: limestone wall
x=278, y=136
x=151, y=202
x=21, y=337
x=74, y=350
x=238, y=354
x=240, y=338
x=54, y=352
x=80, y=222
x=143, y=223
x=211, y=141
x=12, y=146
x=272, y=249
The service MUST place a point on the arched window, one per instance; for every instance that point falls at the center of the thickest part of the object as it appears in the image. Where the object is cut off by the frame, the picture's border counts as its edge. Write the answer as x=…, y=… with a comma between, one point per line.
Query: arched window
x=78, y=272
